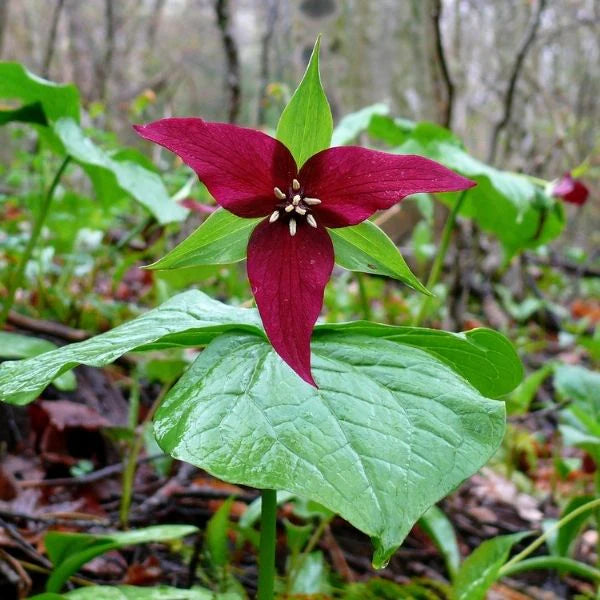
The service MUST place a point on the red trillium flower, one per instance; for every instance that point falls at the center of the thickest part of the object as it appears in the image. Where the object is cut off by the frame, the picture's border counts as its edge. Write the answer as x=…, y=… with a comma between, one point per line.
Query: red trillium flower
x=570, y=190
x=290, y=252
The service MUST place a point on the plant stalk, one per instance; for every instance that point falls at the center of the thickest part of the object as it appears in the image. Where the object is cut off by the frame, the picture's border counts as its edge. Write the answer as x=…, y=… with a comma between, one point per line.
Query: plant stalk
x=438, y=263
x=542, y=538
x=17, y=276
x=268, y=539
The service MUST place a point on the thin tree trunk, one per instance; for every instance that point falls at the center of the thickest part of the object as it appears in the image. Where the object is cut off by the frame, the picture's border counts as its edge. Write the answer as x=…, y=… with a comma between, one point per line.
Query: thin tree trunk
x=272, y=10
x=109, y=47
x=3, y=22
x=50, y=46
x=222, y=8
x=445, y=97
x=509, y=96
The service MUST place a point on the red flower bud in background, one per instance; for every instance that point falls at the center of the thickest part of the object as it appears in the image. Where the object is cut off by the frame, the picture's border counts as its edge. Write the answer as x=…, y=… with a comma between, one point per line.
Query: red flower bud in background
x=570, y=190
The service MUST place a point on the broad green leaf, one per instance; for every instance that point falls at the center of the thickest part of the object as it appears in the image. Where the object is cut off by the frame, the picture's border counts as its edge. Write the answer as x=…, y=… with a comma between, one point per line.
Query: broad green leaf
x=70, y=551
x=30, y=113
x=580, y=385
x=482, y=567
x=252, y=513
x=221, y=239
x=507, y=204
x=113, y=178
x=312, y=577
x=389, y=432
x=130, y=592
x=365, y=247
x=306, y=125
x=439, y=528
x=485, y=358
x=519, y=401
x=352, y=125
x=14, y=345
x=57, y=100
x=193, y=314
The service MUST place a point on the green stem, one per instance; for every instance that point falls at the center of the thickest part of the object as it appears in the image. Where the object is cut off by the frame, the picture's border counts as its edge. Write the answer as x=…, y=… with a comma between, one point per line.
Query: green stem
x=560, y=563
x=364, y=297
x=438, y=263
x=542, y=538
x=266, y=556
x=17, y=277
x=597, y=480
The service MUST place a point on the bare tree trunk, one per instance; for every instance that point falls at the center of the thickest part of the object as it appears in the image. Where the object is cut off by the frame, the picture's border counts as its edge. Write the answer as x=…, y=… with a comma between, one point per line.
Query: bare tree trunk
x=509, y=96
x=444, y=97
x=109, y=47
x=3, y=21
x=155, y=22
x=232, y=59
x=50, y=46
x=272, y=10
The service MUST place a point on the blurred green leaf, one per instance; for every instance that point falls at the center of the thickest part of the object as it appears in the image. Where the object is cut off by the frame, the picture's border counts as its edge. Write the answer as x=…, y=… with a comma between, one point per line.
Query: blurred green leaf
x=113, y=178
x=366, y=248
x=216, y=540
x=130, y=592
x=568, y=533
x=70, y=551
x=306, y=125
x=439, y=528
x=30, y=113
x=312, y=577
x=353, y=124
x=521, y=398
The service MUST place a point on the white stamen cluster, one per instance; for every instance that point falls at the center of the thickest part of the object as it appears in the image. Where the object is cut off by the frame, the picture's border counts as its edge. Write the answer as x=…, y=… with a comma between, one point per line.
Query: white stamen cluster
x=295, y=203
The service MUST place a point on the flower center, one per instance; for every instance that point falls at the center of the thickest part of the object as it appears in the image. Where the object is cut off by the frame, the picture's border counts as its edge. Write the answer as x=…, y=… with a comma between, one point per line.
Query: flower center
x=295, y=206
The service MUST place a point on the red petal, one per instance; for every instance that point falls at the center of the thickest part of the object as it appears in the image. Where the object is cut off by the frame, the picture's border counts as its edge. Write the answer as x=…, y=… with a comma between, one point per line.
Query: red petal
x=239, y=166
x=353, y=183
x=288, y=275
x=571, y=190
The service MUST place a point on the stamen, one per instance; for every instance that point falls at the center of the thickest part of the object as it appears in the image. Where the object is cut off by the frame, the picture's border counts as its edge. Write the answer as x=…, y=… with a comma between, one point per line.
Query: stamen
x=296, y=200
x=292, y=227
x=289, y=208
x=312, y=201
x=311, y=221
x=274, y=217
x=279, y=194
x=300, y=210
x=295, y=185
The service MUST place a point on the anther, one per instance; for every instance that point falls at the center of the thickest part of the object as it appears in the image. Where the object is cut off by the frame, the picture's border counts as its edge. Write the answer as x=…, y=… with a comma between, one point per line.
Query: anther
x=300, y=210
x=296, y=200
x=279, y=194
x=312, y=201
x=274, y=217
x=295, y=185
x=311, y=221
x=289, y=208
x=292, y=227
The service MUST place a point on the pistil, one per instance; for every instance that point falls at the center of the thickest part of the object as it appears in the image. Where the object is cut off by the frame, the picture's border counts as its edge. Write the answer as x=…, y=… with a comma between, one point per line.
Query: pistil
x=294, y=203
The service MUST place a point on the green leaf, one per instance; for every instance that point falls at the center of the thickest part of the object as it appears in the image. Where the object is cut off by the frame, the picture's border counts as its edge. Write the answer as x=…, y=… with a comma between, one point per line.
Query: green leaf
x=14, y=345
x=439, y=528
x=306, y=125
x=216, y=540
x=221, y=239
x=130, y=592
x=519, y=401
x=113, y=178
x=189, y=319
x=389, y=432
x=568, y=533
x=312, y=577
x=482, y=567
x=30, y=113
x=352, y=125
x=57, y=100
x=70, y=551
x=580, y=385
x=365, y=247
x=485, y=358
x=507, y=204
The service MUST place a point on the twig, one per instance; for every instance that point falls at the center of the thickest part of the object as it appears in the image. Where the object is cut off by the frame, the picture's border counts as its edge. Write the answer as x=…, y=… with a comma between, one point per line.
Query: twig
x=24, y=544
x=52, y=38
x=52, y=521
x=509, y=96
x=58, y=330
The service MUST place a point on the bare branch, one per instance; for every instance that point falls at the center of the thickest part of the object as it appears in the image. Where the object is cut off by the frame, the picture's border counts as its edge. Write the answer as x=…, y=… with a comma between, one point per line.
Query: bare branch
x=52, y=38
x=446, y=100
x=509, y=96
